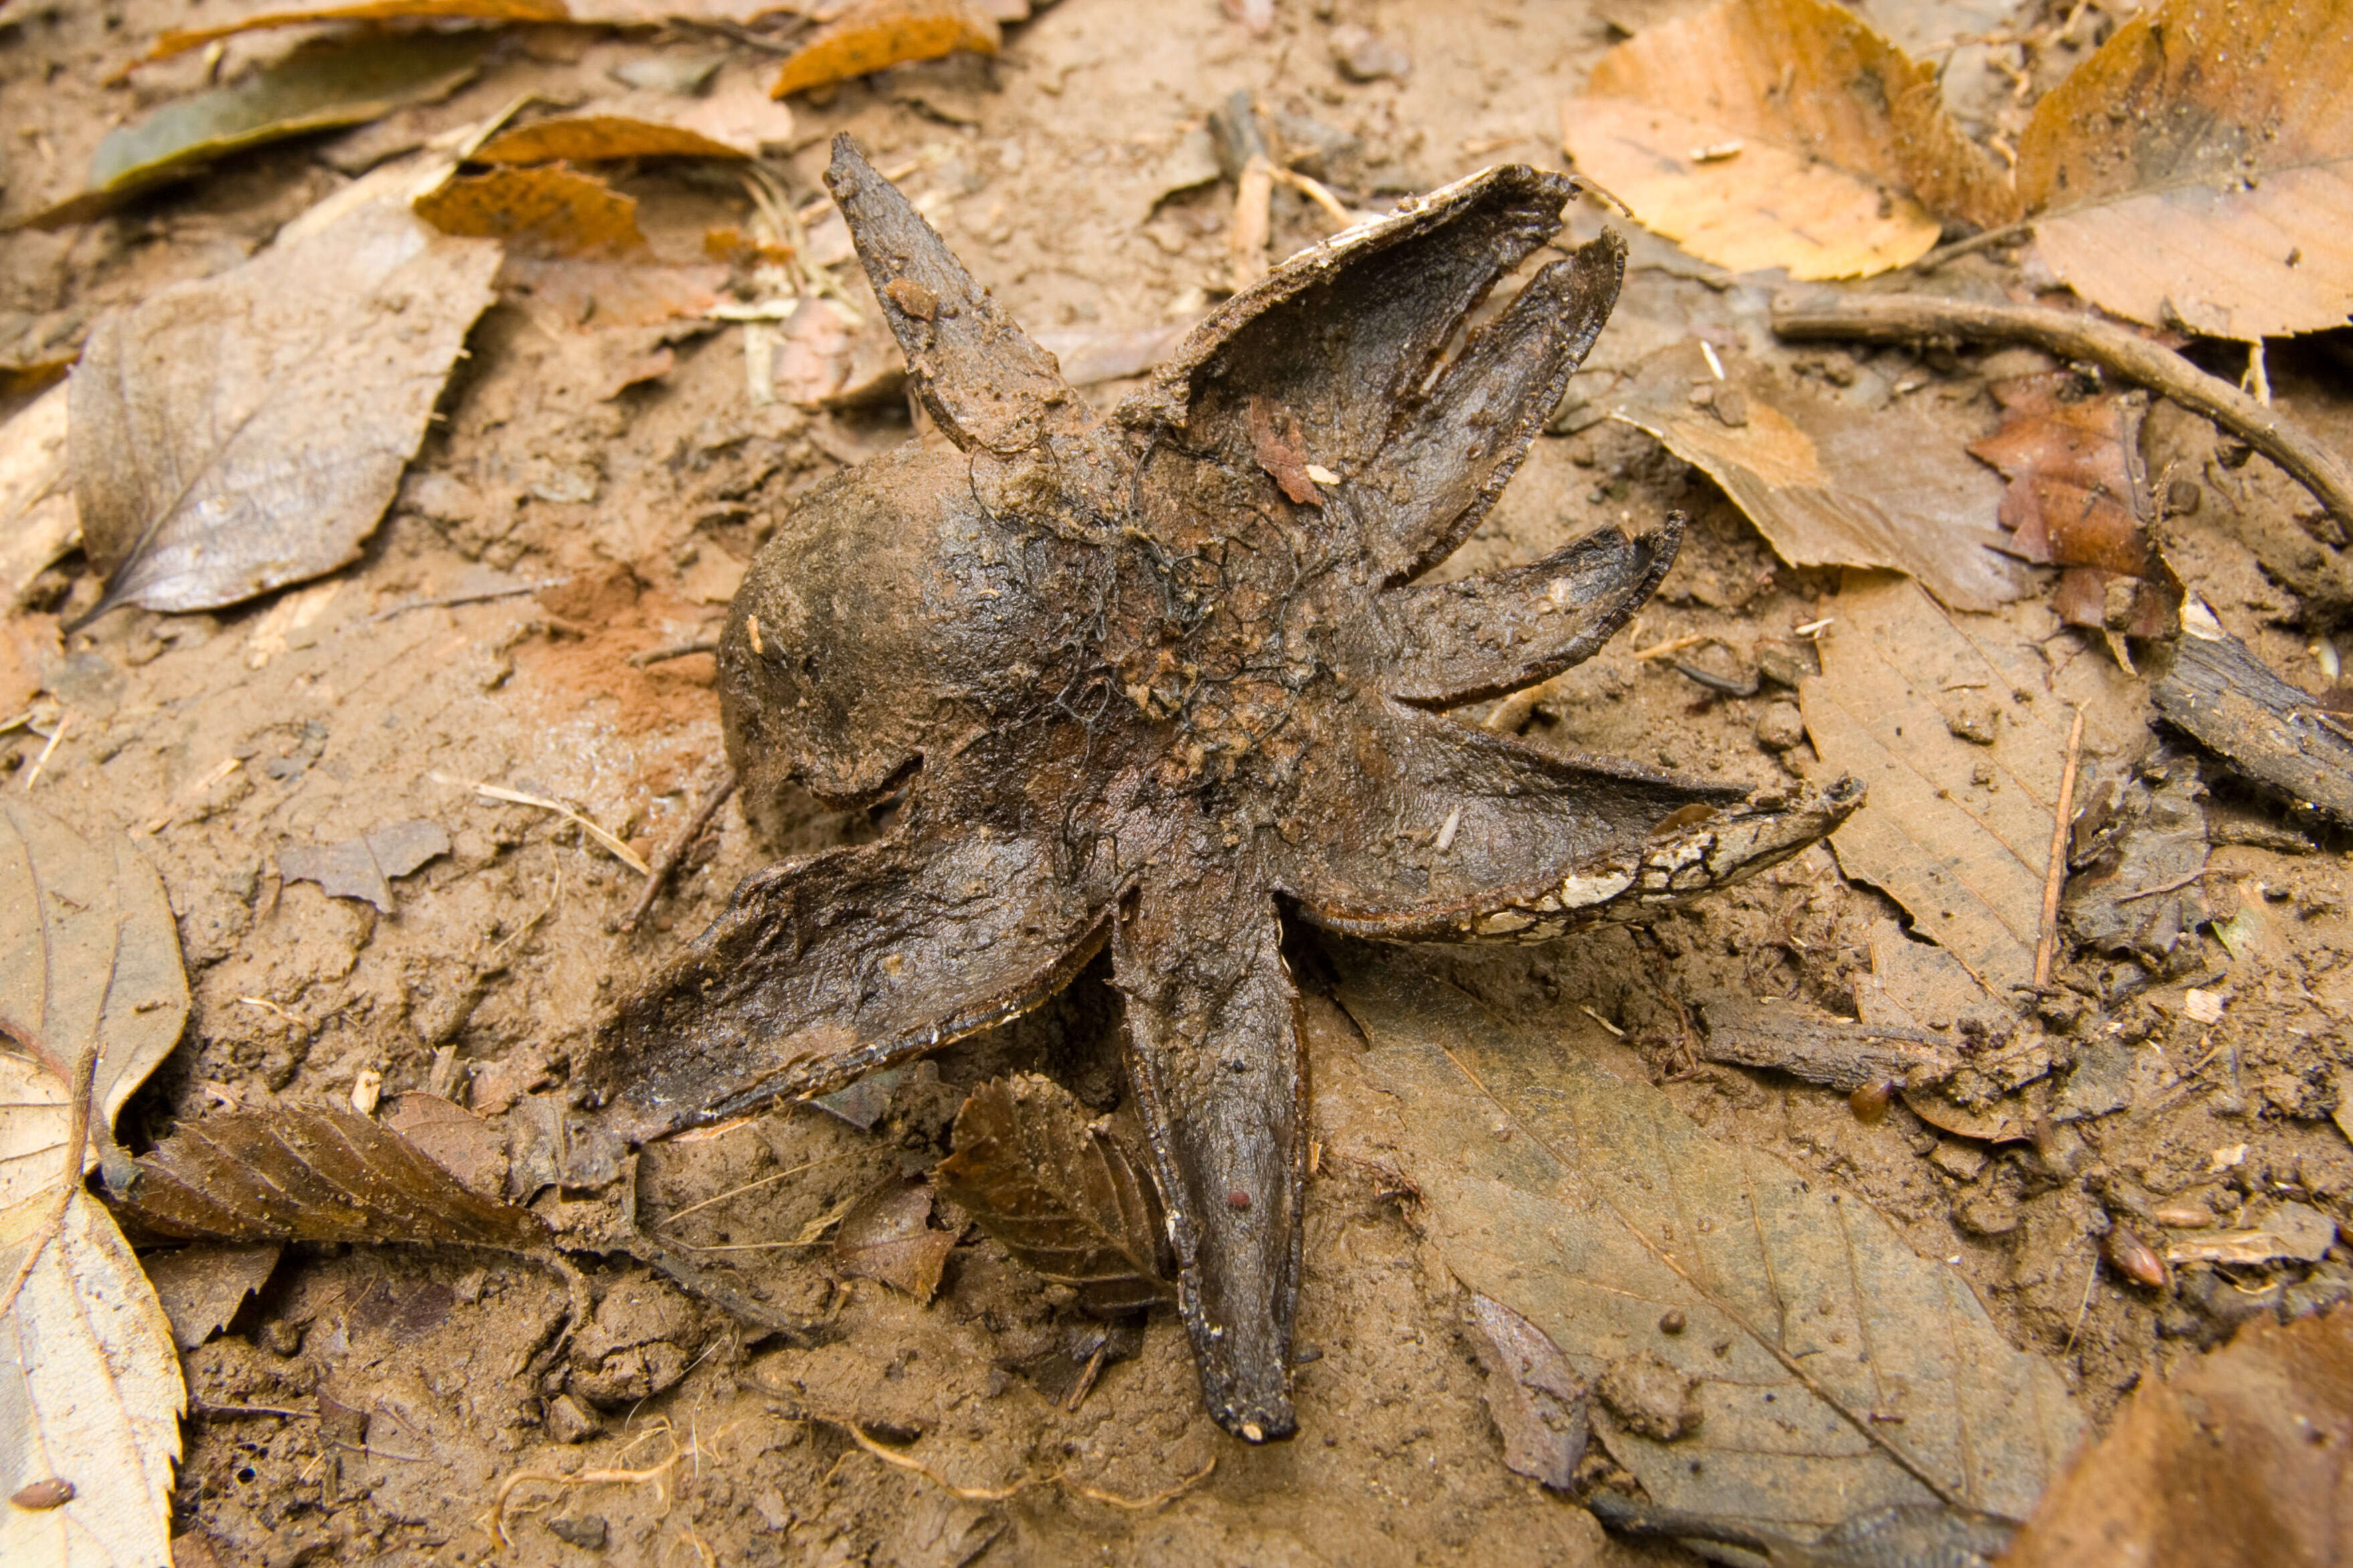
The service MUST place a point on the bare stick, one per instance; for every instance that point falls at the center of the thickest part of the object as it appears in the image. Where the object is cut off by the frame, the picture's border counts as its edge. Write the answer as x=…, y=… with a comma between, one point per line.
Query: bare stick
x=675, y=850
x=2077, y=336
x=675, y=650
x=2056, y=876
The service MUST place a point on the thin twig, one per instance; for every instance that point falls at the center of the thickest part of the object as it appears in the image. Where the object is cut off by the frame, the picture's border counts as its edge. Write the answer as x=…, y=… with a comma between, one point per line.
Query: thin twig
x=450, y=601
x=612, y=842
x=33, y=773
x=2174, y=885
x=2047, y=946
x=2079, y=336
x=659, y=873
x=675, y=650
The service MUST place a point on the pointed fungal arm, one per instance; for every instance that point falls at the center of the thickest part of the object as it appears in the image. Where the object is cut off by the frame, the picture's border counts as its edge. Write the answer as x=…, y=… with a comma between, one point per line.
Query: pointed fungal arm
x=829, y=967
x=1214, y=1055
x=1483, y=635
x=985, y=379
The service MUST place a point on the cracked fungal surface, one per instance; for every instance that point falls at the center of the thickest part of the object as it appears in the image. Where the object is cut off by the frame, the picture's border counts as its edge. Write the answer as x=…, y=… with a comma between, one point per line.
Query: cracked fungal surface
x=1156, y=682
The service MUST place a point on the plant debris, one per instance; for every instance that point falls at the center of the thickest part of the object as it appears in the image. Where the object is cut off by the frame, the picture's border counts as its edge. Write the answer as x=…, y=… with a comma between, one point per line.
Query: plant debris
x=2229, y=702
x=888, y=1235
x=1535, y=1397
x=363, y=867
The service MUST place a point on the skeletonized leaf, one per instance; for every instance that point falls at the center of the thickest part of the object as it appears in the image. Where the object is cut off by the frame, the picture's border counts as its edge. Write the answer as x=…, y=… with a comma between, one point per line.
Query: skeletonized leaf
x=543, y=211
x=1830, y=1368
x=2240, y=1457
x=246, y=431
x=888, y=1235
x=89, y=1397
x=313, y=1174
x=2198, y=168
x=1062, y=1193
x=1778, y=133
x=873, y=35
x=1828, y=484
x=322, y=86
x=90, y=1386
x=1948, y=723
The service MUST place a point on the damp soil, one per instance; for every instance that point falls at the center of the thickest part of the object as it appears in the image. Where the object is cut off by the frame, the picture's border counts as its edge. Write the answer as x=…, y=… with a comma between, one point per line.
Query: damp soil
x=584, y=528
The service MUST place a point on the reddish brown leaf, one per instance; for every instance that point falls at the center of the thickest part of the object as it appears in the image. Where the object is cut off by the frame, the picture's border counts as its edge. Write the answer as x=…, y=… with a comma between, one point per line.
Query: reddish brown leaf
x=871, y=35
x=888, y=1235
x=2244, y=1456
x=553, y=211
x=1063, y=1193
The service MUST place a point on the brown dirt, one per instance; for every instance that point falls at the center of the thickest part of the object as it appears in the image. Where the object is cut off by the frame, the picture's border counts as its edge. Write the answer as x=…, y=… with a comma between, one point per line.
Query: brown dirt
x=642, y=507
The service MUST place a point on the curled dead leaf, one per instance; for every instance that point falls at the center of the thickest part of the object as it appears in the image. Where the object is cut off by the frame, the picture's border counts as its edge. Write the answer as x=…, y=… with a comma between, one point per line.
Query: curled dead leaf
x=1064, y=1194
x=888, y=1235
x=873, y=35
x=552, y=210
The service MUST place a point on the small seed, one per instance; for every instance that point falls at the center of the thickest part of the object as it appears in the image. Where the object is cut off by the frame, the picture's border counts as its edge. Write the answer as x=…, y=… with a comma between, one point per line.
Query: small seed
x=2134, y=1258
x=1238, y=1199
x=1672, y=1320
x=47, y=1493
x=1870, y=1103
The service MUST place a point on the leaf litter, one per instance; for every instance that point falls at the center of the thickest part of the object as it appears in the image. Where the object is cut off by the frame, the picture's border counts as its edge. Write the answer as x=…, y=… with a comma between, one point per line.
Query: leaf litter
x=90, y=1394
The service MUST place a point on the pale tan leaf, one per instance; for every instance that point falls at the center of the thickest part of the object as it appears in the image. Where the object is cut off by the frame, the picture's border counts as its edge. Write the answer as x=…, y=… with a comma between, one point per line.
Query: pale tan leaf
x=242, y=432
x=1829, y=484
x=1831, y=1369
x=90, y=1396
x=38, y=521
x=2241, y=1459
x=1926, y=709
x=1785, y=133
x=872, y=35
x=2198, y=168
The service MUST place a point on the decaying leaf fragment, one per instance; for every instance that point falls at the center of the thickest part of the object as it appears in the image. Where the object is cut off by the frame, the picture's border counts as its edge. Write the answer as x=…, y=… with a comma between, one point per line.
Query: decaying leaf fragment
x=1826, y=484
x=363, y=867
x=312, y=1173
x=2198, y=169
x=2243, y=1458
x=93, y=997
x=241, y=432
x=201, y=1286
x=888, y=1235
x=1536, y=1399
x=1063, y=1193
x=1778, y=133
x=1830, y=1368
x=873, y=35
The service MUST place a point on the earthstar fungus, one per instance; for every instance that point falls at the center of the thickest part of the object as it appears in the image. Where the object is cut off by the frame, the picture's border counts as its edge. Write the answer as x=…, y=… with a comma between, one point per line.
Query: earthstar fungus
x=1152, y=680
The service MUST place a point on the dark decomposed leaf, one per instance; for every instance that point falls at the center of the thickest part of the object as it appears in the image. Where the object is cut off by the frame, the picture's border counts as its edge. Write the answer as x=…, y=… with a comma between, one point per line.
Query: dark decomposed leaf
x=362, y=868
x=323, y=85
x=1063, y=1193
x=2241, y=1457
x=888, y=1235
x=92, y=997
x=312, y=1173
x=201, y=1286
x=1535, y=1397
x=2229, y=701
x=2133, y=887
x=238, y=433
x=1768, y=1349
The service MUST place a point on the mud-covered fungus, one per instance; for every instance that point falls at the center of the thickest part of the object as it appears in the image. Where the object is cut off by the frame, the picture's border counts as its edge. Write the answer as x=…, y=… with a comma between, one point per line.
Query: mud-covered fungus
x=1155, y=680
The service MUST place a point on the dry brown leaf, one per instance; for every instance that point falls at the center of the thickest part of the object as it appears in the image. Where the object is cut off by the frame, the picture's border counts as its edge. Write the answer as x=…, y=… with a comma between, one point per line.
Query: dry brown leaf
x=550, y=210
x=92, y=997
x=1832, y=1368
x=452, y=1137
x=38, y=521
x=313, y=1174
x=1828, y=484
x=872, y=35
x=729, y=126
x=241, y=432
x=322, y=86
x=2241, y=1459
x=827, y=358
x=2068, y=453
x=1926, y=710
x=2198, y=168
x=201, y=1286
x=1785, y=133
x=887, y=1235
x=1917, y=985
x=1064, y=1194
x=179, y=39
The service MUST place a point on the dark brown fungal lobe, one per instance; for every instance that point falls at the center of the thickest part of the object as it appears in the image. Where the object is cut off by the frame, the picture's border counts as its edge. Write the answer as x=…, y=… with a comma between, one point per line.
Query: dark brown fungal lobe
x=1152, y=680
